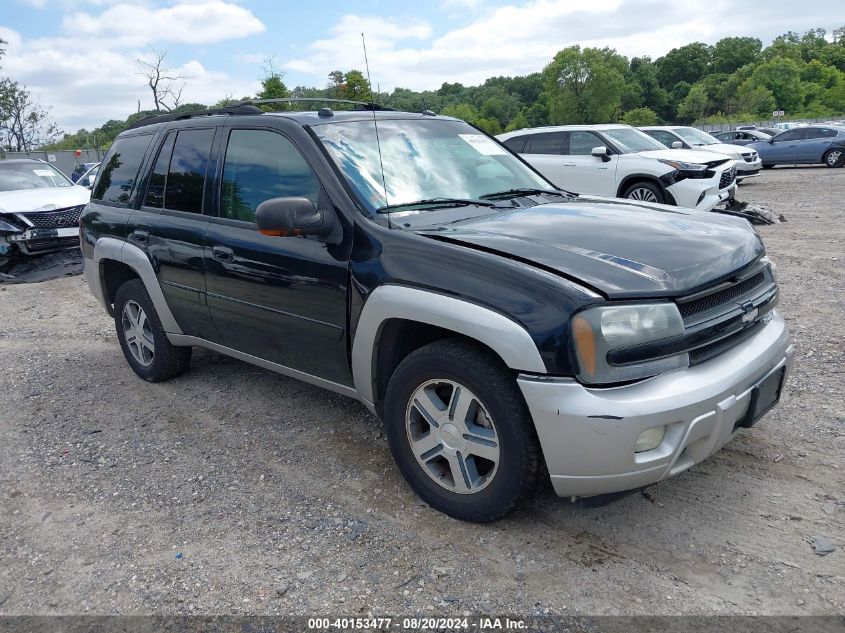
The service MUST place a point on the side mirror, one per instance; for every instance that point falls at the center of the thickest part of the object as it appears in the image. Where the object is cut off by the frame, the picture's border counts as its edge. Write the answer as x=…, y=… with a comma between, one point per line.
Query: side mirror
x=677, y=145
x=288, y=217
x=601, y=152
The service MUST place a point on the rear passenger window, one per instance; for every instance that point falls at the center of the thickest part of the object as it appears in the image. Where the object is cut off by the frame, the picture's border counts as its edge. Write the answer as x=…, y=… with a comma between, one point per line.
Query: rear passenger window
x=547, y=143
x=155, y=190
x=120, y=169
x=183, y=190
x=261, y=165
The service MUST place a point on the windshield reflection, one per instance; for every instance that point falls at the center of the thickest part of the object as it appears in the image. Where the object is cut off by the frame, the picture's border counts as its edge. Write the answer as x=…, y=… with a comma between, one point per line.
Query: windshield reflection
x=421, y=160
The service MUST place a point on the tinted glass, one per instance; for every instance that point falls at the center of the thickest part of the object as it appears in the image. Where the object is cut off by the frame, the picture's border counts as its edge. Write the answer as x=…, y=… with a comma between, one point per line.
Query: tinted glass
x=261, y=165
x=667, y=138
x=582, y=143
x=789, y=135
x=548, y=143
x=815, y=132
x=628, y=140
x=186, y=176
x=120, y=169
x=516, y=144
x=155, y=190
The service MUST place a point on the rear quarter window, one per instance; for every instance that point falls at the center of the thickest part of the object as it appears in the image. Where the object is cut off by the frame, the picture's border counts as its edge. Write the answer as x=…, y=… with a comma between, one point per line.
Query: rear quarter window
x=119, y=170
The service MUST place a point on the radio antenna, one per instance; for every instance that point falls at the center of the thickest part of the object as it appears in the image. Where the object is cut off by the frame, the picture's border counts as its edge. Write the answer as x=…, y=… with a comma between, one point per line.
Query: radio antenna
x=375, y=125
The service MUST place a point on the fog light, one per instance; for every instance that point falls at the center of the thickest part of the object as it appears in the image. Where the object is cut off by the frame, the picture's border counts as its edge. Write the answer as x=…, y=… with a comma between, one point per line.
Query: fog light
x=649, y=439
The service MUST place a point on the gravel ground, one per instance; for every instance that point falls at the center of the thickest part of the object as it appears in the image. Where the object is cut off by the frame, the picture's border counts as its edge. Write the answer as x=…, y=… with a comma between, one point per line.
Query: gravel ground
x=234, y=490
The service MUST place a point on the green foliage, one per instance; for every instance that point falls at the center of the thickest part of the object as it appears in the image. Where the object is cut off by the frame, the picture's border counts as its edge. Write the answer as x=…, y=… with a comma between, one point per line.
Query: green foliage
x=783, y=77
x=350, y=85
x=585, y=86
x=688, y=63
x=694, y=105
x=732, y=53
x=754, y=99
x=640, y=116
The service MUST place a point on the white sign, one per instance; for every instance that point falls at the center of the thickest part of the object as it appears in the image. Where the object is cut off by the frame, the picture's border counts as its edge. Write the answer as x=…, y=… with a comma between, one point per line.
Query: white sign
x=44, y=173
x=777, y=113
x=51, y=158
x=482, y=144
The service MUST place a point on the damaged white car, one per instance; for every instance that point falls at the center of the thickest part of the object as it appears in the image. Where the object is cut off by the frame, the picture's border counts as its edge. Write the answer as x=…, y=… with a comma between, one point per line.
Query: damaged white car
x=39, y=208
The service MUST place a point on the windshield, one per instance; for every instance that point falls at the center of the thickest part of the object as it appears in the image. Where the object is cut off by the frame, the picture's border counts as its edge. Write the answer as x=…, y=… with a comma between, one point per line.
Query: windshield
x=422, y=160
x=16, y=176
x=695, y=137
x=629, y=140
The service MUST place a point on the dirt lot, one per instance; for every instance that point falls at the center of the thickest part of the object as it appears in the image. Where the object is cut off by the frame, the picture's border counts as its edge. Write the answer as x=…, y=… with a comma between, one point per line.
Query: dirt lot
x=234, y=490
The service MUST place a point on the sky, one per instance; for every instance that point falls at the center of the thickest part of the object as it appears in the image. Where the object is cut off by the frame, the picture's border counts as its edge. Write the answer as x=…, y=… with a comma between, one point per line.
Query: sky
x=79, y=56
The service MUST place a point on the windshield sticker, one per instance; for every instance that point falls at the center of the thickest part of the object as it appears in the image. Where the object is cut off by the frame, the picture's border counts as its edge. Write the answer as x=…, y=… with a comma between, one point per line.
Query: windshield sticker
x=482, y=144
x=43, y=172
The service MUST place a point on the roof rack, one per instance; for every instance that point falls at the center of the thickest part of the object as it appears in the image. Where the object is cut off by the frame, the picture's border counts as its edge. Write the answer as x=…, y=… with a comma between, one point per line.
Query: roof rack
x=363, y=105
x=235, y=108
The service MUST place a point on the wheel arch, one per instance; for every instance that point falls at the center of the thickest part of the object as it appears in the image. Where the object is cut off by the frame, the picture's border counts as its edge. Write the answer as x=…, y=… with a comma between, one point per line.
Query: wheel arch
x=628, y=180
x=116, y=262
x=396, y=320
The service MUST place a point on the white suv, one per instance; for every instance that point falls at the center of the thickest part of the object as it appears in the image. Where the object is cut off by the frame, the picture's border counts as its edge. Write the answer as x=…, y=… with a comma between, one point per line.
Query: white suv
x=682, y=137
x=620, y=161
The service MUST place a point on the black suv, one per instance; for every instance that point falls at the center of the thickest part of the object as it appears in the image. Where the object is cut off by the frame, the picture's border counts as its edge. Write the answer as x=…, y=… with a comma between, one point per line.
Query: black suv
x=500, y=327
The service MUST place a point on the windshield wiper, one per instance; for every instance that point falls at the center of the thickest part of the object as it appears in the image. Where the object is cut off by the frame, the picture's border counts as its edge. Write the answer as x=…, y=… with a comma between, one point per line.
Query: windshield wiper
x=511, y=193
x=439, y=202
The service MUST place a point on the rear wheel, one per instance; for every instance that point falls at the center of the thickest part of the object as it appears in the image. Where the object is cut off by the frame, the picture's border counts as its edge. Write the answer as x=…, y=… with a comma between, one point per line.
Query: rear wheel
x=143, y=339
x=834, y=158
x=460, y=431
x=644, y=191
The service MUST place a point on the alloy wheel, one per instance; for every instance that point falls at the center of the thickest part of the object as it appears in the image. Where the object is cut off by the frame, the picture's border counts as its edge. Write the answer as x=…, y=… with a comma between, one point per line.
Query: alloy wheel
x=138, y=333
x=641, y=193
x=833, y=157
x=452, y=436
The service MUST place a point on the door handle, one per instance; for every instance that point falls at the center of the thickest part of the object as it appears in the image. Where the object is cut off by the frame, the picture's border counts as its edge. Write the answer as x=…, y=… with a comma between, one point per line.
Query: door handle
x=142, y=237
x=569, y=165
x=222, y=253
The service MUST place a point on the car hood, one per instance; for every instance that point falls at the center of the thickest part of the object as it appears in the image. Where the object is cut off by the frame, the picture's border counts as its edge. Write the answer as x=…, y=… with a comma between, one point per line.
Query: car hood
x=620, y=248
x=686, y=155
x=43, y=199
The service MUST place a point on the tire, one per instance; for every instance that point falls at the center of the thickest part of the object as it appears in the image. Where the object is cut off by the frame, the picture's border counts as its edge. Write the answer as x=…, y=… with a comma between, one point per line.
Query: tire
x=834, y=157
x=644, y=191
x=480, y=470
x=143, y=339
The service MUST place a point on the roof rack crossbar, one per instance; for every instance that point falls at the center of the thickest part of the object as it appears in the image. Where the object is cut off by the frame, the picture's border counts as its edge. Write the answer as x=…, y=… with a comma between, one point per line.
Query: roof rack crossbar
x=365, y=105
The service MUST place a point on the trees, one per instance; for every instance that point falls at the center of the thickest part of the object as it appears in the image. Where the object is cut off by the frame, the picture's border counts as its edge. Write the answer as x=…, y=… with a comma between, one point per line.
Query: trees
x=694, y=105
x=584, y=86
x=688, y=63
x=165, y=83
x=24, y=123
x=350, y=85
x=783, y=77
x=732, y=53
x=272, y=85
x=640, y=116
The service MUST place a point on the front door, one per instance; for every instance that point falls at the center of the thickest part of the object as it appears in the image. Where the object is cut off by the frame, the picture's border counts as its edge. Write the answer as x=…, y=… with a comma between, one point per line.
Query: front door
x=282, y=299
x=593, y=174
x=170, y=226
x=783, y=148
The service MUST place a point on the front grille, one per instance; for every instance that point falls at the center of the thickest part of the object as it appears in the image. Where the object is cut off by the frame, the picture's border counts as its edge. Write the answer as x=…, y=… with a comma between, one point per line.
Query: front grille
x=701, y=354
x=728, y=176
x=720, y=297
x=58, y=219
x=750, y=158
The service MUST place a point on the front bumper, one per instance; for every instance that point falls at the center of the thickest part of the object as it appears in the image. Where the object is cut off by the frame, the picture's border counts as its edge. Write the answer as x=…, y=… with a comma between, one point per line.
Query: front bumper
x=745, y=169
x=32, y=241
x=588, y=435
x=701, y=194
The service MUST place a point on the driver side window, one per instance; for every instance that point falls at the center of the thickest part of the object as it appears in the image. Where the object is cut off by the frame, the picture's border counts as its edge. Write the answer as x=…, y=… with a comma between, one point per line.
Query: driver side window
x=260, y=165
x=789, y=135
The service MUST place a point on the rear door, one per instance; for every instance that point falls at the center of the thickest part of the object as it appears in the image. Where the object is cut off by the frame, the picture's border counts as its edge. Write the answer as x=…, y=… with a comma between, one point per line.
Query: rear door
x=813, y=144
x=544, y=150
x=282, y=299
x=170, y=225
x=590, y=174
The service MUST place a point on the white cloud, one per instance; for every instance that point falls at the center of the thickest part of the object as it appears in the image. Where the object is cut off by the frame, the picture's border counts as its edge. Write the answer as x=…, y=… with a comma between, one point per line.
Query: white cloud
x=523, y=38
x=186, y=22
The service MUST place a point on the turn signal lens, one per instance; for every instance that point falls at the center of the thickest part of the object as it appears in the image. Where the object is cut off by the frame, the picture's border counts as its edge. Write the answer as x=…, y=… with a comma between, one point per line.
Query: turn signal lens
x=585, y=345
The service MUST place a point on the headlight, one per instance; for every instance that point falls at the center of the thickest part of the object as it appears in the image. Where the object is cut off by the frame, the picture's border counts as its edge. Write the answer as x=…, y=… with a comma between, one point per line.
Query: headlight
x=598, y=331
x=683, y=166
x=772, y=267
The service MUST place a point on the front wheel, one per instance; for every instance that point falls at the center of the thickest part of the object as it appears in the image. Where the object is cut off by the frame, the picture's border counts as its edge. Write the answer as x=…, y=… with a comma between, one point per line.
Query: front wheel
x=834, y=158
x=644, y=191
x=460, y=431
